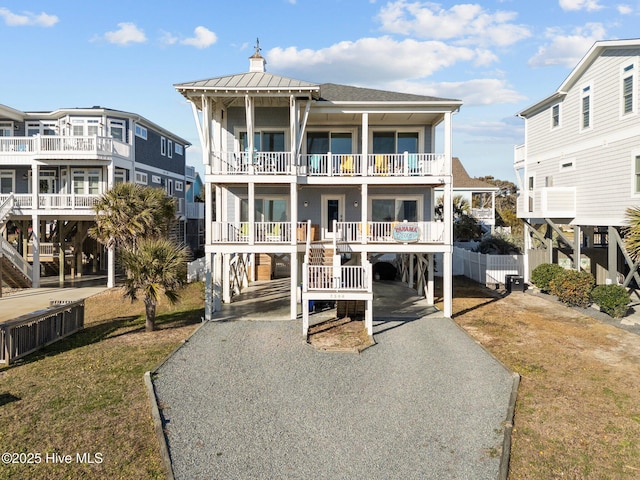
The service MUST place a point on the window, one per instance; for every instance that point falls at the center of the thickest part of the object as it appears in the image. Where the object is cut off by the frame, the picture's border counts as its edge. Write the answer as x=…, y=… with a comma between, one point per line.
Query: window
x=394, y=209
x=7, y=179
x=116, y=130
x=334, y=142
x=86, y=182
x=637, y=174
x=6, y=129
x=41, y=128
x=141, y=132
x=155, y=179
x=267, y=209
x=586, y=107
x=395, y=142
x=168, y=187
x=567, y=165
x=179, y=149
x=179, y=186
x=555, y=116
x=141, y=178
x=628, y=90
x=264, y=141
x=163, y=146
x=120, y=175
x=170, y=148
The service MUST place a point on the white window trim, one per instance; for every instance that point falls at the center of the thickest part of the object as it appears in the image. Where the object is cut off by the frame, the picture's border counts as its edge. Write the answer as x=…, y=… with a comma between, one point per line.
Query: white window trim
x=170, y=148
x=586, y=90
x=12, y=175
x=352, y=131
x=397, y=130
x=566, y=164
x=163, y=146
x=179, y=186
x=156, y=179
x=624, y=73
x=238, y=131
x=634, y=154
x=141, y=132
x=142, y=178
x=179, y=149
x=240, y=198
x=418, y=198
x=555, y=127
x=9, y=126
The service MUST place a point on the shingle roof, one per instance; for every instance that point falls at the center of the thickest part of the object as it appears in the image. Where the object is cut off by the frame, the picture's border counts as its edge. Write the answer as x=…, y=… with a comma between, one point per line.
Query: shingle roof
x=462, y=180
x=345, y=93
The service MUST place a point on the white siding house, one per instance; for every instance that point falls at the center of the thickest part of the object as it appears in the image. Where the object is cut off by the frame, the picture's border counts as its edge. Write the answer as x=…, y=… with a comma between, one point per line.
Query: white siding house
x=579, y=167
x=316, y=181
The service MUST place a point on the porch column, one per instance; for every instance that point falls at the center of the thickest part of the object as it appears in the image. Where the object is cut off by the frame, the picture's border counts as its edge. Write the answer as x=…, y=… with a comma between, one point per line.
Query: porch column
x=430, y=284
x=208, y=285
x=217, y=281
x=252, y=212
x=61, y=248
x=35, y=245
x=365, y=144
x=226, y=278
x=293, y=258
x=364, y=210
x=411, y=273
x=612, y=255
x=111, y=267
x=294, y=122
x=493, y=210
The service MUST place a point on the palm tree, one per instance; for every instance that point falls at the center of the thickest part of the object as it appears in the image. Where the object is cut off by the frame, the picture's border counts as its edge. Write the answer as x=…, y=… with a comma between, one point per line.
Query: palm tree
x=129, y=211
x=632, y=233
x=158, y=265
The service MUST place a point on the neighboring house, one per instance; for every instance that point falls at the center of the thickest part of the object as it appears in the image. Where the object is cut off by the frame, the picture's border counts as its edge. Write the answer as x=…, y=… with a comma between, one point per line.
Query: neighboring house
x=316, y=181
x=194, y=226
x=579, y=168
x=54, y=166
x=478, y=194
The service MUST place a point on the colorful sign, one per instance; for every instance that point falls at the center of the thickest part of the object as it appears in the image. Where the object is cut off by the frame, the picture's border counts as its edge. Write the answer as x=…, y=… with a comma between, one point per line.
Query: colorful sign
x=406, y=232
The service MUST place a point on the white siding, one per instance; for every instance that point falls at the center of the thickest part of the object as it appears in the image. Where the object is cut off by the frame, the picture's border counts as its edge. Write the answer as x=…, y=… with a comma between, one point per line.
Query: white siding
x=602, y=155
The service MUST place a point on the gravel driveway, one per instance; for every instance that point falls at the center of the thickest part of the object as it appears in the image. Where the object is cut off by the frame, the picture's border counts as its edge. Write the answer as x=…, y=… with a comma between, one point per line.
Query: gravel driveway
x=249, y=399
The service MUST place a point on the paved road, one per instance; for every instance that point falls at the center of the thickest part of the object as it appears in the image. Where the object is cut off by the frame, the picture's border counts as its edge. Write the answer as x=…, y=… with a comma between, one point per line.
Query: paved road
x=249, y=399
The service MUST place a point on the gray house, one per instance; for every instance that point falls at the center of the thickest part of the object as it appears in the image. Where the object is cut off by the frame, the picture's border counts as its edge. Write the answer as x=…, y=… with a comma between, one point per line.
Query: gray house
x=53, y=167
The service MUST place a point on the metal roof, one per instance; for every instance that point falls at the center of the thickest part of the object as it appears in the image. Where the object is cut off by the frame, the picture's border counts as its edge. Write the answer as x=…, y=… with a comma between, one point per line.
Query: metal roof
x=253, y=81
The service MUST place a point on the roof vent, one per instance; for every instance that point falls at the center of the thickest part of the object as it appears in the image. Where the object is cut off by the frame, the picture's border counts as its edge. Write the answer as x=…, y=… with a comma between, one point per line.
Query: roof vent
x=256, y=61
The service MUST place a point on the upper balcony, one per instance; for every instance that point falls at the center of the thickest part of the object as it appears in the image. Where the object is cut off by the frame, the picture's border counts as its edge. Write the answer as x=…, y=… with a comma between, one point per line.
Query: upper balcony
x=518, y=156
x=330, y=164
x=20, y=149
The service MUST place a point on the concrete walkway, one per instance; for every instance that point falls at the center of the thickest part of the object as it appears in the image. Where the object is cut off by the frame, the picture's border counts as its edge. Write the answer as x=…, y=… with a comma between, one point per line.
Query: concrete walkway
x=17, y=302
x=246, y=398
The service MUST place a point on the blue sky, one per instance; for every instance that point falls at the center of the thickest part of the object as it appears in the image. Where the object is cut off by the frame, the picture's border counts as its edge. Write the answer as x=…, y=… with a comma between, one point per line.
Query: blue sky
x=497, y=56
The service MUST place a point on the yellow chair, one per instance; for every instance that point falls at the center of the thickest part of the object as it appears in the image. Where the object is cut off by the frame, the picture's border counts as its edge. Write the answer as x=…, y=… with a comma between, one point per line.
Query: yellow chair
x=346, y=165
x=381, y=165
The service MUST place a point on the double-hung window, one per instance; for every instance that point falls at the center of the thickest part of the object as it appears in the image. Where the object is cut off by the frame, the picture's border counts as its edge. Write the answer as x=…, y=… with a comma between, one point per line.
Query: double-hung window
x=555, y=116
x=586, y=110
x=628, y=90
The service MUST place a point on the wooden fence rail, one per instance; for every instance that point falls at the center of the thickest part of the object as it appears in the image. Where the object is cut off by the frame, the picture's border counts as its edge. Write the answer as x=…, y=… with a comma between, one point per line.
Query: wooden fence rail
x=28, y=333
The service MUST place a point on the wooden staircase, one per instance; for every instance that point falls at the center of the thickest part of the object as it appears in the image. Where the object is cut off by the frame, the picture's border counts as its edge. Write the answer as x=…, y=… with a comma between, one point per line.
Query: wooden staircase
x=12, y=276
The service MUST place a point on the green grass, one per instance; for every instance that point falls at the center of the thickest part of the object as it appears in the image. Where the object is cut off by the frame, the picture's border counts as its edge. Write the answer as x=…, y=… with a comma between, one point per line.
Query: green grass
x=86, y=394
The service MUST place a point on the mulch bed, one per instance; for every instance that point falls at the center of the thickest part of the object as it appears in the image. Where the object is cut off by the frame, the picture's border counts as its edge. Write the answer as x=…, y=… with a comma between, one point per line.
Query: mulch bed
x=340, y=335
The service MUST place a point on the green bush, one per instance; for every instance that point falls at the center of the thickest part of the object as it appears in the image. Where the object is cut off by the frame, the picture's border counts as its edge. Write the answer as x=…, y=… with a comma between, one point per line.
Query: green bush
x=573, y=287
x=543, y=274
x=494, y=245
x=612, y=299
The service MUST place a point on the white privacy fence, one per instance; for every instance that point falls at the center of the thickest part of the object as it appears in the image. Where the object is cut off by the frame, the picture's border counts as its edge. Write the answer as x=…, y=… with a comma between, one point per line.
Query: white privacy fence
x=482, y=268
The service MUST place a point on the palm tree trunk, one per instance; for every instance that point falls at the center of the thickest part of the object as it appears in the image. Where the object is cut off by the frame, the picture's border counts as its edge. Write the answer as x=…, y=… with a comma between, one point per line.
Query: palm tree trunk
x=150, y=310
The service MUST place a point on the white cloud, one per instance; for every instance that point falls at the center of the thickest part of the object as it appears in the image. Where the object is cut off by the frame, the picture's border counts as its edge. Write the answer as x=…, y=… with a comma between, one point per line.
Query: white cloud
x=127, y=33
x=384, y=58
x=624, y=9
x=167, y=38
x=203, y=38
x=496, y=131
x=567, y=50
x=588, y=5
x=482, y=91
x=27, y=19
x=463, y=23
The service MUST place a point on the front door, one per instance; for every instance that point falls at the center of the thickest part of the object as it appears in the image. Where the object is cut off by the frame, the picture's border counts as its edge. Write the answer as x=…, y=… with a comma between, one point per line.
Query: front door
x=332, y=209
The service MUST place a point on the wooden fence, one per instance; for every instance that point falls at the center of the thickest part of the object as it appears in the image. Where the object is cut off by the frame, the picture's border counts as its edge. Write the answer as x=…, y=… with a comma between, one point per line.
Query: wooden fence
x=28, y=333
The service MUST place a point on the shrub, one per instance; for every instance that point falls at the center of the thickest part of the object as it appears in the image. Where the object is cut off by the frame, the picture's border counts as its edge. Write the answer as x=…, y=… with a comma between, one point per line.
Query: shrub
x=612, y=299
x=494, y=245
x=573, y=287
x=543, y=274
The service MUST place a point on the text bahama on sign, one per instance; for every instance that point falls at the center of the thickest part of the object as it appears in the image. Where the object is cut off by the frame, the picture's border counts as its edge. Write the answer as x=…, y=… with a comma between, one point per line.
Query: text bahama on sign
x=406, y=232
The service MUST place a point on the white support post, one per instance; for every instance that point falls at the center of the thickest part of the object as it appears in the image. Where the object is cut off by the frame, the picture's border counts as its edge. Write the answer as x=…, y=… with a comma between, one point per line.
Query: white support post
x=447, y=283
x=364, y=210
x=226, y=278
x=368, y=317
x=305, y=318
x=293, y=258
x=411, y=272
x=430, y=285
x=217, y=281
x=577, y=246
x=364, y=148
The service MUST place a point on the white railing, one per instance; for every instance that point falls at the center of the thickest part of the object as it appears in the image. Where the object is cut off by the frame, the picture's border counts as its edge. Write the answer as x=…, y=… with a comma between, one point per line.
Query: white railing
x=242, y=232
x=331, y=165
x=47, y=201
x=47, y=145
x=406, y=164
x=260, y=163
x=6, y=206
x=483, y=213
x=383, y=232
x=16, y=259
x=518, y=156
x=189, y=172
x=343, y=278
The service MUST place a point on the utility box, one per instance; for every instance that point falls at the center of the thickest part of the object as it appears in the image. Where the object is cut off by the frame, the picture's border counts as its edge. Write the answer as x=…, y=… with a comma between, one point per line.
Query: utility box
x=515, y=283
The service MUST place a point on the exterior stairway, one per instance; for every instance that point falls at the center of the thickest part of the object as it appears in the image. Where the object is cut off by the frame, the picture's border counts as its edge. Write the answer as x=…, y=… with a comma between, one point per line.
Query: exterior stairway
x=16, y=271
